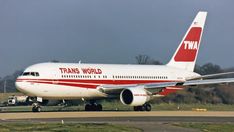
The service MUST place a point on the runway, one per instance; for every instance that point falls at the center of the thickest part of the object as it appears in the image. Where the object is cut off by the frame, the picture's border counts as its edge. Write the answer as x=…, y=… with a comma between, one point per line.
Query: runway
x=147, y=121
x=109, y=114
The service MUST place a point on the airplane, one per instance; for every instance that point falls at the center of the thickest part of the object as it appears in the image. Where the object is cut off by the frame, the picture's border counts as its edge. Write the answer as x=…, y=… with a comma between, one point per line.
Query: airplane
x=135, y=85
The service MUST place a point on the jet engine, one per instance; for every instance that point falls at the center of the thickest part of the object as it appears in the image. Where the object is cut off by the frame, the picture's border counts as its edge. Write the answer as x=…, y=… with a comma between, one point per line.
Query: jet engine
x=134, y=96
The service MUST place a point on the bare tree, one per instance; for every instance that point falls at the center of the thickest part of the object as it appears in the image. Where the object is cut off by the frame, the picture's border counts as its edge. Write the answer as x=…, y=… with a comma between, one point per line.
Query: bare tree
x=145, y=59
x=142, y=59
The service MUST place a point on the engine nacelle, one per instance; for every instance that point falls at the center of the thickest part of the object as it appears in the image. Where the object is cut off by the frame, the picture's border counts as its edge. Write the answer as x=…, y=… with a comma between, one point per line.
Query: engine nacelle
x=135, y=96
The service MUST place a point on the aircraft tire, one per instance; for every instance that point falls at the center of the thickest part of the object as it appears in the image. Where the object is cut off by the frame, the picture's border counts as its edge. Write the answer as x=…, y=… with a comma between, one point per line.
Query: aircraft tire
x=98, y=107
x=88, y=107
x=147, y=107
x=93, y=107
x=137, y=108
x=36, y=109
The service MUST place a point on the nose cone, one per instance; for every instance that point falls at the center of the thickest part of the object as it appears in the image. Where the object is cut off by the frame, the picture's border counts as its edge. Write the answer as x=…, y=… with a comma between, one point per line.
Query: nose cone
x=19, y=84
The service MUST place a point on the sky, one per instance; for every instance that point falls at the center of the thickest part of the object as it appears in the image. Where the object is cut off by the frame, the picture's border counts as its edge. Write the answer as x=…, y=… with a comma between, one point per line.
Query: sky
x=109, y=31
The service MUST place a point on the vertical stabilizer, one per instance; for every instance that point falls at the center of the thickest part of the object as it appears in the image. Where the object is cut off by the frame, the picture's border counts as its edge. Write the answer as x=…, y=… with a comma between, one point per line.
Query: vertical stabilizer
x=186, y=54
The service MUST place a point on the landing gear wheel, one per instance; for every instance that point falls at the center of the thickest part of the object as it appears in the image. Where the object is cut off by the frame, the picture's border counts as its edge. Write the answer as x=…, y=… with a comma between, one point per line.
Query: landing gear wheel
x=137, y=108
x=93, y=107
x=147, y=107
x=36, y=107
x=87, y=107
x=99, y=107
x=33, y=109
x=142, y=108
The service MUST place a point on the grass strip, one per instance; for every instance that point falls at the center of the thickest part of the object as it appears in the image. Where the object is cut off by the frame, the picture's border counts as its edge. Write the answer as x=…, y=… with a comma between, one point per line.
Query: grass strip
x=66, y=127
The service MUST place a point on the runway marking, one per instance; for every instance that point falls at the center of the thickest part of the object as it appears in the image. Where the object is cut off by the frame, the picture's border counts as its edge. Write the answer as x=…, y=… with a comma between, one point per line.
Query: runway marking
x=47, y=115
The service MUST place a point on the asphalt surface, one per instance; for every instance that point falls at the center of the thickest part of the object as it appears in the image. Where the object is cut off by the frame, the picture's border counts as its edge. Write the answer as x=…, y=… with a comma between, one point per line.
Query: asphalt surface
x=147, y=121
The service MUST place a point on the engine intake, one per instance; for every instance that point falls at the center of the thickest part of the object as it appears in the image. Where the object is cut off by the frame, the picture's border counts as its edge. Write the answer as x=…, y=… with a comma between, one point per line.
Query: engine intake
x=135, y=96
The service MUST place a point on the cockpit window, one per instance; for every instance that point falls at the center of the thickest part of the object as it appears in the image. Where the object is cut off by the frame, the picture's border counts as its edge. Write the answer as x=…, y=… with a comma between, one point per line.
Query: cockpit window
x=26, y=74
x=30, y=74
x=37, y=74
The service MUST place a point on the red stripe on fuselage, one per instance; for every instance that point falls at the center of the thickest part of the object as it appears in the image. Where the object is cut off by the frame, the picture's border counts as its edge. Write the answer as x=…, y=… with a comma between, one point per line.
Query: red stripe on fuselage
x=101, y=81
x=89, y=83
x=62, y=83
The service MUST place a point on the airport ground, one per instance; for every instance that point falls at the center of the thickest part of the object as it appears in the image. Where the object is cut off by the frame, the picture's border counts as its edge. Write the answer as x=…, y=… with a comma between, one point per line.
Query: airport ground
x=164, y=117
x=177, y=121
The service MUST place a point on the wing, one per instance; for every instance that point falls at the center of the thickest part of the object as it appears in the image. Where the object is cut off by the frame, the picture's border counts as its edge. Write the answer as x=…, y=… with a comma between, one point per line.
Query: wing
x=151, y=87
x=210, y=76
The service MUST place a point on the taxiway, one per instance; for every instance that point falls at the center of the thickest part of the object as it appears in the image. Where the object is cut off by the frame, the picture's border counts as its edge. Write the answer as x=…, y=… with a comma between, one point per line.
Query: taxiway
x=128, y=114
x=147, y=121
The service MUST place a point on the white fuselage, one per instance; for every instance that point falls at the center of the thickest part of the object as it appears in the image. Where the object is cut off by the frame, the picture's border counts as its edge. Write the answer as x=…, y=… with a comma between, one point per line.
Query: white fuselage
x=76, y=81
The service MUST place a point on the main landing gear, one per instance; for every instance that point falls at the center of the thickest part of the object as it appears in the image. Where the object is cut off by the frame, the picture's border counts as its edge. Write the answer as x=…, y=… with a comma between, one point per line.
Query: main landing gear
x=92, y=106
x=145, y=107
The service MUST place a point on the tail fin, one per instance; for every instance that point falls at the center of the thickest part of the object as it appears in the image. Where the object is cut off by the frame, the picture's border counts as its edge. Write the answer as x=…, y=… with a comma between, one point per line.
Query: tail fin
x=186, y=54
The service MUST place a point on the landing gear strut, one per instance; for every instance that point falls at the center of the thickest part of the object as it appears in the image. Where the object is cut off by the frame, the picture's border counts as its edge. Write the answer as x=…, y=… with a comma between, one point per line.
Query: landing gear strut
x=36, y=107
x=145, y=107
x=92, y=106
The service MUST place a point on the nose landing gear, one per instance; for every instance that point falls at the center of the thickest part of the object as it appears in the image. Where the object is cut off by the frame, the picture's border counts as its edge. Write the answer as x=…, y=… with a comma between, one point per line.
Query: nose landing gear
x=36, y=107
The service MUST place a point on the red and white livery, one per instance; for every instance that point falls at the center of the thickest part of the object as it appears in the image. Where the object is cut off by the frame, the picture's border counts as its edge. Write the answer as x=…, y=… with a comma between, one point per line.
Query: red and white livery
x=135, y=85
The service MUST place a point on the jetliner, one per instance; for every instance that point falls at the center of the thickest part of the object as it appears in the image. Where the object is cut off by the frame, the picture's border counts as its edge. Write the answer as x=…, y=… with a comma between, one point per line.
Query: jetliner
x=134, y=85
